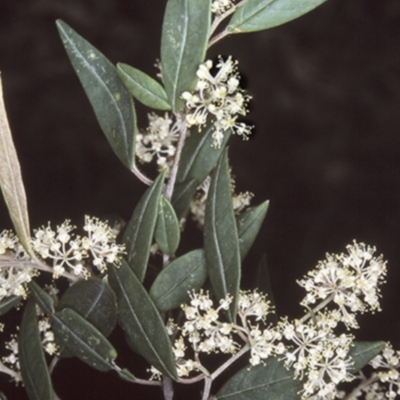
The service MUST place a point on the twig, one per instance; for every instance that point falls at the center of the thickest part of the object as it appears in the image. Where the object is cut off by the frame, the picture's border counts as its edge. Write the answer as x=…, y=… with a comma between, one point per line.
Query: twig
x=141, y=176
x=168, y=388
x=174, y=170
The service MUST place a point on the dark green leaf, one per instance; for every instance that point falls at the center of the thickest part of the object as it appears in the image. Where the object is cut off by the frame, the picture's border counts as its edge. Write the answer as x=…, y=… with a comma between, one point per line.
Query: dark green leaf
x=167, y=232
x=197, y=161
x=221, y=244
x=95, y=301
x=183, y=45
x=272, y=381
x=34, y=370
x=363, y=352
x=198, y=156
x=144, y=88
x=186, y=273
x=182, y=196
x=138, y=235
x=42, y=299
x=248, y=225
x=107, y=94
x=141, y=321
x=8, y=303
x=257, y=15
x=83, y=340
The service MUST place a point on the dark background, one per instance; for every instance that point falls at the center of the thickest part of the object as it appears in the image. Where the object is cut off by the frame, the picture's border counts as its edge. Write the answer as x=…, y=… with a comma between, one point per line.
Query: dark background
x=326, y=94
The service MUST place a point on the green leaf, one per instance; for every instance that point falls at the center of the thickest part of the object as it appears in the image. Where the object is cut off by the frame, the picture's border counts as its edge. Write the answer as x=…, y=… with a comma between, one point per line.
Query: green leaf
x=11, y=183
x=42, y=299
x=83, y=339
x=126, y=375
x=139, y=232
x=9, y=303
x=198, y=157
x=95, y=301
x=144, y=88
x=141, y=321
x=167, y=232
x=272, y=381
x=182, y=196
x=221, y=243
x=248, y=225
x=197, y=161
x=170, y=288
x=111, y=101
x=257, y=15
x=363, y=352
x=183, y=45
x=34, y=370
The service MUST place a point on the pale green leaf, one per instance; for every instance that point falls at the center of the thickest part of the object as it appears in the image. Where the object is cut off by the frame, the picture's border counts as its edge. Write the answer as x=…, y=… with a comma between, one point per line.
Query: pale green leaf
x=363, y=352
x=141, y=321
x=221, y=244
x=111, y=101
x=256, y=15
x=11, y=182
x=248, y=225
x=167, y=232
x=144, y=88
x=83, y=339
x=139, y=232
x=184, y=42
x=95, y=301
x=170, y=288
x=271, y=381
x=34, y=369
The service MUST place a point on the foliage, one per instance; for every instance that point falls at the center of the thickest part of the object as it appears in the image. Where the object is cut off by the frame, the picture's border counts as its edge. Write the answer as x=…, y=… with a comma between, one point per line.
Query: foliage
x=176, y=305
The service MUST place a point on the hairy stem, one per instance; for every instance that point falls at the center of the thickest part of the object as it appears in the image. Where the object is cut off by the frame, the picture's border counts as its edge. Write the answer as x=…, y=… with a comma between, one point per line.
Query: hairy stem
x=141, y=176
x=168, y=388
x=15, y=375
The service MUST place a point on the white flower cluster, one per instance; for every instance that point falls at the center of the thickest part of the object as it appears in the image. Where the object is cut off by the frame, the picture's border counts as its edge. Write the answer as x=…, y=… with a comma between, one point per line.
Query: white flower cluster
x=220, y=97
x=310, y=346
x=159, y=141
x=351, y=280
x=69, y=252
x=220, y=6
x=13, y=278
x=318, y=355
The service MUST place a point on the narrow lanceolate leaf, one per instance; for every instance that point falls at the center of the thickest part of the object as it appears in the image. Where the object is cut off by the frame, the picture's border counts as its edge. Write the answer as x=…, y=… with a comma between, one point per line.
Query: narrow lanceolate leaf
x=138, y=235
x=182, y=196
x=221, y=244
x=42, y=299
x=197, y=161
x=11, y=182
x=144, y=88
x=111, y=101
x=167, y=233
x=363, y=352
x=83, y=339
x=257, y=15
x=170, y=288
x=34, y=370
x=95, y=301
x=271, y=381
x=183, y=45
x=198, y=157
x=9, y=303
x=249, y=224
x=141, y=321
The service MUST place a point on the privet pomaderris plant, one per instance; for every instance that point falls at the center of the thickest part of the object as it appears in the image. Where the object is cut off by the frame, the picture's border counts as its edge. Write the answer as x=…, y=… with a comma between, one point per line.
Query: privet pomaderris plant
x=195, y=306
